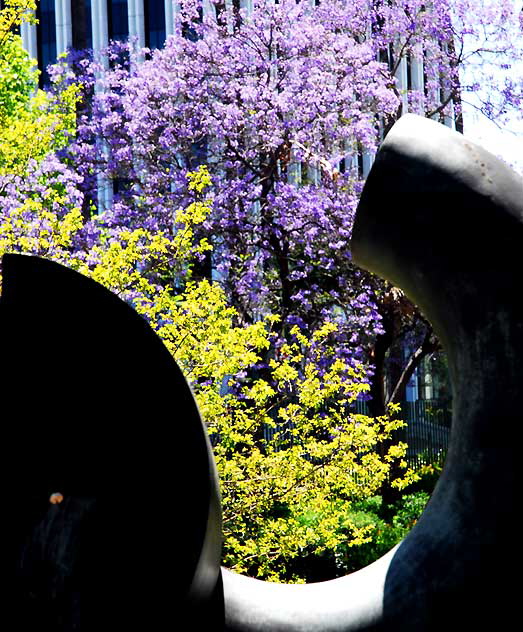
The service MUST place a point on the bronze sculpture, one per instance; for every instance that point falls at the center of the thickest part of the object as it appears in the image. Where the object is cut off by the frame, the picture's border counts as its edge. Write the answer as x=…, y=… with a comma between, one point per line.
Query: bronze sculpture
x=439, y=217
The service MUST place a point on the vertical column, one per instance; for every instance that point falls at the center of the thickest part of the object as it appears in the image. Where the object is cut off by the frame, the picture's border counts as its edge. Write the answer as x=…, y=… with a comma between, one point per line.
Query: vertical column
x=367, y=161
x=418, y=82
x=402, y=84
x=58, y=22
x=208, y=8
x=313, y=174
x=432, y=86
x=29, y=41
x=100, y=27
x=103, y=183
x=450, y=119
x=352, y=159
x=294, y=169
x=101, y=41
x=64, y=26
x=135, y=12
x=439, y=95
x=417, y=78
x=171, y=9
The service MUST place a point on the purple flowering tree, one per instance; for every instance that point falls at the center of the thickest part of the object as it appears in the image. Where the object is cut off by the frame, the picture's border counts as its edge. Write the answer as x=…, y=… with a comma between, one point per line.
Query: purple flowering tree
x=285, y=104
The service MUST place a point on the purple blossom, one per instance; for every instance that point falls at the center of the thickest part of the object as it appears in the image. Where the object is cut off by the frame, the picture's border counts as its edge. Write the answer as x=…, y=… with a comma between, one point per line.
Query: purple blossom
x=271, y=101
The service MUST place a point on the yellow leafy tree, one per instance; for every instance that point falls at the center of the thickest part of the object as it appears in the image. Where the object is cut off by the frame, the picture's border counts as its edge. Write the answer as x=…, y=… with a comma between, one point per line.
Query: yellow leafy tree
x=291, y=454
x=32, y=123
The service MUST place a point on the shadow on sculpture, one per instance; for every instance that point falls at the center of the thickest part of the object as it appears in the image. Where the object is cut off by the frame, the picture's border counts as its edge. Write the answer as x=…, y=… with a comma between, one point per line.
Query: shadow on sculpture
x=110, y=498
x=110, y=493
x=442, y=219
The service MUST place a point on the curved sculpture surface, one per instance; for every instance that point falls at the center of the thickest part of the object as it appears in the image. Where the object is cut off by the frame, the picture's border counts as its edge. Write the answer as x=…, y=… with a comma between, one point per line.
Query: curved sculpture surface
x=443, y=219
x=105, y=529
x=112, y=507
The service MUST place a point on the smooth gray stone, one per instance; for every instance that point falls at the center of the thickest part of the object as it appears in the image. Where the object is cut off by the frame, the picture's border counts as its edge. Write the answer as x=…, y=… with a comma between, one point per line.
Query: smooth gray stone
x=442, y=219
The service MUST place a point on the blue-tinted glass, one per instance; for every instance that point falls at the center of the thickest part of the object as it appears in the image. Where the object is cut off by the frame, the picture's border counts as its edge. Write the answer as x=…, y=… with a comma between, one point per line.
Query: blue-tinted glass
x=46, y=38
x=82, y=24
x=88, y=24
x=118, y=20
x=154, y=23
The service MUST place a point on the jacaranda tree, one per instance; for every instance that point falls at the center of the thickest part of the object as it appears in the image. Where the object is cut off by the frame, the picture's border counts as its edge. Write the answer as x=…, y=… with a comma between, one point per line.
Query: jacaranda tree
x=279, y=101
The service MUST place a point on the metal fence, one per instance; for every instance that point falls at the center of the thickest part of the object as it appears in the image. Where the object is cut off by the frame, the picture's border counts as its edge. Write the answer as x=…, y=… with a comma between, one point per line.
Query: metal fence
x=426, y=433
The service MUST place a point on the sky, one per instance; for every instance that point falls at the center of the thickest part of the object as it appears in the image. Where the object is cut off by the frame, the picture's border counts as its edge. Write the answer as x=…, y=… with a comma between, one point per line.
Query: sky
x=505, y=142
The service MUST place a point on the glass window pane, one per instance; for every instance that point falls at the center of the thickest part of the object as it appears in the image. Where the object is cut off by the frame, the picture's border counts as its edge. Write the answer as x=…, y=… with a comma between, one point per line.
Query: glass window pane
x=82, y=24
x=46, y=38
x=118, y=21
x=155, y=33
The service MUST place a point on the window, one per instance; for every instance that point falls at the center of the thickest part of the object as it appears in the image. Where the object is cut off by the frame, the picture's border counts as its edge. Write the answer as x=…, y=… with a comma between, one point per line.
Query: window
x=46, y=38
x=118, y=22
x=154, y=14
x=188, y=29
x=82, y=24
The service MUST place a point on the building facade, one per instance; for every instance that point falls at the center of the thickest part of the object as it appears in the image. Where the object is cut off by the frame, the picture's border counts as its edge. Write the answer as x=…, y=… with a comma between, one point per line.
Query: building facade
x=92, y=24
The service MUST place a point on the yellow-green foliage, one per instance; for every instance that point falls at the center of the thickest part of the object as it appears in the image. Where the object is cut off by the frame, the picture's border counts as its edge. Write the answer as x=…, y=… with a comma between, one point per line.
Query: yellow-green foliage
x=319, y=459
x=321, y=456
x=33, y=130
x=48, y=236
x=32, y=123
x=18, y=77
x=11, y=15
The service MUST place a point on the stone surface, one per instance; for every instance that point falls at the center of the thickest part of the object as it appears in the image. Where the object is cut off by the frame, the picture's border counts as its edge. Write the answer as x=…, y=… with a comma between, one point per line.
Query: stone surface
x=442, y=219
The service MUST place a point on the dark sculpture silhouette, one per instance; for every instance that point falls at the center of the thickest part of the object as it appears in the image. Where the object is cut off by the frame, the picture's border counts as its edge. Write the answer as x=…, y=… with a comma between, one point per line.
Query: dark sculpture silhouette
x=111, y=501
x=96, y=412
